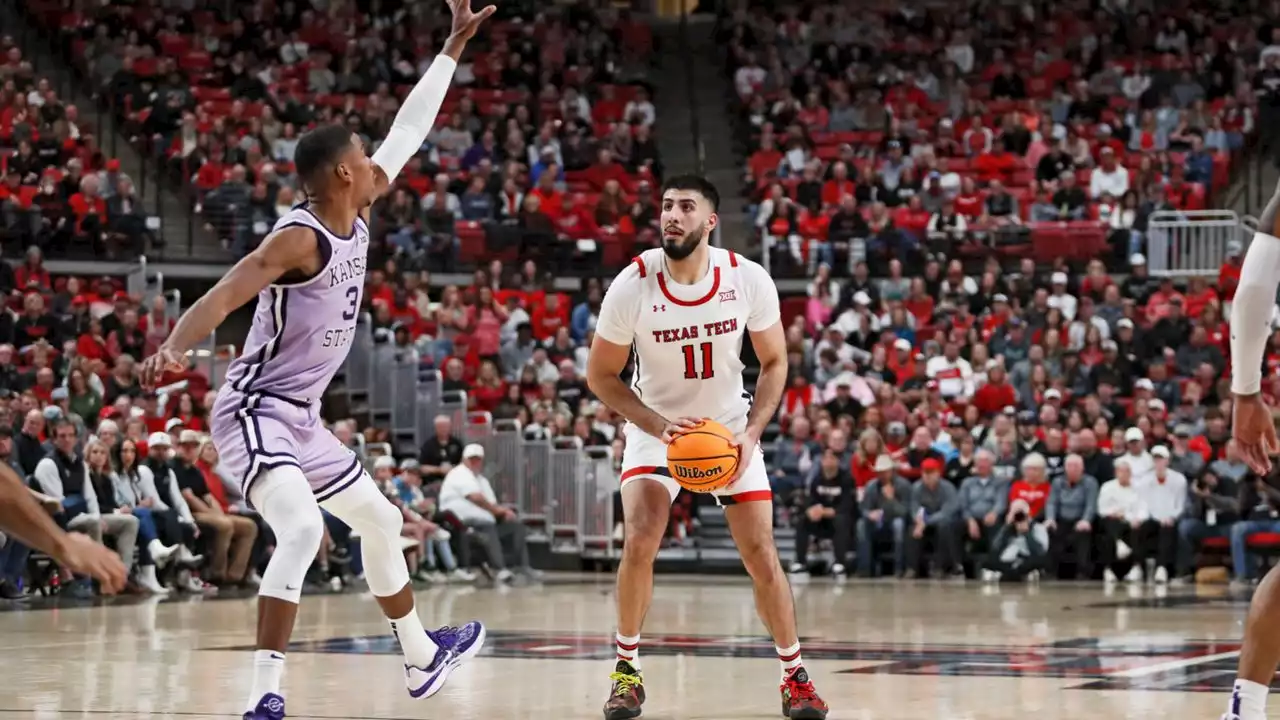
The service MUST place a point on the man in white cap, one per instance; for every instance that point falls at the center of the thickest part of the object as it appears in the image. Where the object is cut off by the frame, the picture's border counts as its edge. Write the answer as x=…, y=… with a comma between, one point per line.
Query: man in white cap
x=1060, y=298
x=1140, y=463
x=884, y=512
x=468, y=496
x=1164, y=494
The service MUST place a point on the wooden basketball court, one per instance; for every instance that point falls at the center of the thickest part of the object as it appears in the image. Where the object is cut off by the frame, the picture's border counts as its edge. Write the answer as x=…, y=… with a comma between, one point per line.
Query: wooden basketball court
x=924, y=650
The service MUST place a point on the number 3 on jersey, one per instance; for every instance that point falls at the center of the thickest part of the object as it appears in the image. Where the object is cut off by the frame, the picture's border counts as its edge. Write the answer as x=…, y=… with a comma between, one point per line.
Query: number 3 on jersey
x=691, y=362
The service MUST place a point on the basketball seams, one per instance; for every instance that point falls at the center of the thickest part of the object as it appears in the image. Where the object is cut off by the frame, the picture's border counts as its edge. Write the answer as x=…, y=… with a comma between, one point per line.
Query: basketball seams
x=712, y=454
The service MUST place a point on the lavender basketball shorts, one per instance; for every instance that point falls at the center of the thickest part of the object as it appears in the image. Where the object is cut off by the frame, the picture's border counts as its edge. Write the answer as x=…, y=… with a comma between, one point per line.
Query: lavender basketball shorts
x=256, y=431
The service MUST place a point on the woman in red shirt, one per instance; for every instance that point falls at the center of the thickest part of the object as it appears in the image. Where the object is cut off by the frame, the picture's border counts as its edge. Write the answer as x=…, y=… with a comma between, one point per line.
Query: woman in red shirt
x=486, y=318
x=191, y=414
x=870, y=447
x=488, y=390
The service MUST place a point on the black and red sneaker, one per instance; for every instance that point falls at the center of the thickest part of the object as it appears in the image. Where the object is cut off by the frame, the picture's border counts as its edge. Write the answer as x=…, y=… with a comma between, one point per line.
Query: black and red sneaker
x=799, y=700
x=627, y=694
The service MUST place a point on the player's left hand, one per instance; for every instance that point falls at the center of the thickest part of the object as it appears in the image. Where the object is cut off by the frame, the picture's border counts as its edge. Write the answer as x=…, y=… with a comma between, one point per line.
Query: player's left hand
x=466, y=22
x=165, y=360
x=746, y=443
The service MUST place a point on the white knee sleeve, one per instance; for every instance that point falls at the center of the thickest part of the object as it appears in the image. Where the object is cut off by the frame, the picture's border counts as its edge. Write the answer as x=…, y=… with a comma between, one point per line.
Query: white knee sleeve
x=370, y=514
x=285, y=500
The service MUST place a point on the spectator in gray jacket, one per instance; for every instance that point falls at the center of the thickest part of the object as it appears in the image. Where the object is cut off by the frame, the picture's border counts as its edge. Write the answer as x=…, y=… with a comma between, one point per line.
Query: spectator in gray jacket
x=793, y=457
x=885, y=510
x=1069, y=516
x=984, y=500
x=935, y=508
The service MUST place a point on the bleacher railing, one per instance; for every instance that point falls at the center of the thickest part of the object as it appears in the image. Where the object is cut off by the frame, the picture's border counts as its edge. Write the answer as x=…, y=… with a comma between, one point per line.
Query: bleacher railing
x=1186, y=243
x=559, y=487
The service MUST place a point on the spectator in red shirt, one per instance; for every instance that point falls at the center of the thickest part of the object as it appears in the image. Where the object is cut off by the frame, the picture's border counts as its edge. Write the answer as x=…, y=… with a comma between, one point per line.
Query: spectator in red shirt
x=92, y=344
x=838, y=186
x=1229, y=273
x=32, y=271
x=549, y=316
x=969, y=202
x=996, y=394
x=90, y=210
x=605, y=170
x=998, y=164
x=549, y=197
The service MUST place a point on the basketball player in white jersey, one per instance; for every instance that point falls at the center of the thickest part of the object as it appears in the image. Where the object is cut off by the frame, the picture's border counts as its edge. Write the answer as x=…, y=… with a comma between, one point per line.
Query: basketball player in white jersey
x=1253, y=428
x=308, y=277
x=684, y=311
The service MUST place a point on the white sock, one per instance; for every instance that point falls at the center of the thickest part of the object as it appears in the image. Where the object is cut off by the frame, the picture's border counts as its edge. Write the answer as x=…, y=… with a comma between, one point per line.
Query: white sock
x=628, y=648
x=419, y=650
x=790, y=659
x=268, y=669
x=1248, y=700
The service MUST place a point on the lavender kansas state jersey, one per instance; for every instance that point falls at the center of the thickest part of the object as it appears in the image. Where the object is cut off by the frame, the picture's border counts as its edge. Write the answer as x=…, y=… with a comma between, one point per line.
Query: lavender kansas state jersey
x=267, y=414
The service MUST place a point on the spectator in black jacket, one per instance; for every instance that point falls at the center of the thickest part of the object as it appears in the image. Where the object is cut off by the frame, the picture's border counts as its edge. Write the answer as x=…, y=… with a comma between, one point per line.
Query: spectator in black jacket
x=1212, y=507
x=440, y=453
x=1018, y=550
x=832, y=509
x=27, y=445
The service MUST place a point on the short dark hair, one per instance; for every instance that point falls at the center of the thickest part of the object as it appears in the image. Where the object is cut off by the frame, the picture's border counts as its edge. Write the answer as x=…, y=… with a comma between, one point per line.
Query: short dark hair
x=318, y=151
x=696, y=183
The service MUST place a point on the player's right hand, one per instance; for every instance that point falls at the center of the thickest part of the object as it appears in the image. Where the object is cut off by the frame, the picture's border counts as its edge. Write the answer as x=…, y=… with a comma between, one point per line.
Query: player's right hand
x=1254, y=431
x=674, y=428
x=83, y=556
x=165, y=360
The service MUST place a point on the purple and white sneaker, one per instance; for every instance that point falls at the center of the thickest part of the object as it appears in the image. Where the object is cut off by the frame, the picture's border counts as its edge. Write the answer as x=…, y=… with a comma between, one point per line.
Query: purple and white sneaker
x=270, y=707
x=455, y=646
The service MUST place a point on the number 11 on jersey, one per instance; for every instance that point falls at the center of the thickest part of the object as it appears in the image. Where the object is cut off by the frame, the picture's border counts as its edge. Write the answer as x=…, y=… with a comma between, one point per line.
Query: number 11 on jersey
x=691, y=364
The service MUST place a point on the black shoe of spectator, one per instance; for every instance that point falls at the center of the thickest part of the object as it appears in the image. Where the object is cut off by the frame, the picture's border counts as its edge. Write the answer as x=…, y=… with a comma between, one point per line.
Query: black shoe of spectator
x=10, y=592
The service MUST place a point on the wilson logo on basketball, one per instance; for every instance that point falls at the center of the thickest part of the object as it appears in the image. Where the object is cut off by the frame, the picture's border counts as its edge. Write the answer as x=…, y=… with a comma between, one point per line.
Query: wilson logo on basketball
x=693, y=473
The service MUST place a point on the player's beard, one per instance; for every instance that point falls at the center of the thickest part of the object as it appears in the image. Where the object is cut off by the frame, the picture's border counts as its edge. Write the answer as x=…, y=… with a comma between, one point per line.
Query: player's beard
x=679, y=249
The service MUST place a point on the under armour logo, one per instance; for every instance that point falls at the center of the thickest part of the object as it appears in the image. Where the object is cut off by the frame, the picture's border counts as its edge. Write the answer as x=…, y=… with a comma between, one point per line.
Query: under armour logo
x=659, y=308
x=275, y=704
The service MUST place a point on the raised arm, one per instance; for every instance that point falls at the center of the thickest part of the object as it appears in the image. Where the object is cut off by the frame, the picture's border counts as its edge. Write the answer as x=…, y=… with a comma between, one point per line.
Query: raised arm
x=293, y=248
x=1253, y=427
x=418, y=114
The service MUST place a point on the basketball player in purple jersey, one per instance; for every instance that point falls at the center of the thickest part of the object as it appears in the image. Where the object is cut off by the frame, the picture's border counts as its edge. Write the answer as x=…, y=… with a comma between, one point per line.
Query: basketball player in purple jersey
x=308, y=276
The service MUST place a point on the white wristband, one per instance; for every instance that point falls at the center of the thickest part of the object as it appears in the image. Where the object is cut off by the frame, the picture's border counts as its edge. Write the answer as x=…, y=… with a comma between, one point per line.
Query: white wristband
x=416, y=116
x=1251, y=313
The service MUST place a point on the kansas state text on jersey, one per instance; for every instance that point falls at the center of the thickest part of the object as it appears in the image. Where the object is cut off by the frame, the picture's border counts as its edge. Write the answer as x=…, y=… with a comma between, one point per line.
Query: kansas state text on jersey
x=302, y=331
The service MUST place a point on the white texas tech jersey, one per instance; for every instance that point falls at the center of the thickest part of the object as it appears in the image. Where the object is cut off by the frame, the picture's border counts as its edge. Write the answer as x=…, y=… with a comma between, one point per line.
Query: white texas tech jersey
x=687, y=339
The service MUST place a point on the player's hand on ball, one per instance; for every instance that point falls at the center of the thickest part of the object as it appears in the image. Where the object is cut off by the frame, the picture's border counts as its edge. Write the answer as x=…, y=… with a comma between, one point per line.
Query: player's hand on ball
x=746, y=443
x=673, y=428
x=165, y=360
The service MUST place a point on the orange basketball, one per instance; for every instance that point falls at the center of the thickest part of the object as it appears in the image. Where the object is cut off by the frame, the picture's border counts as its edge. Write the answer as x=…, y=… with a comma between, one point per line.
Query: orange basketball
x=703, y=459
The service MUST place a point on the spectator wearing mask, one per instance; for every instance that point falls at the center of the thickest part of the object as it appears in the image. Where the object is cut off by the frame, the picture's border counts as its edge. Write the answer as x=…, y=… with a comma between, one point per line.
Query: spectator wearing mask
x=885, y=513
x=983, y=503
x=467, y=494
x=1018, y=550
x=1069, y=518
x=1164, y=494
x=830, y=511
x=935, y=508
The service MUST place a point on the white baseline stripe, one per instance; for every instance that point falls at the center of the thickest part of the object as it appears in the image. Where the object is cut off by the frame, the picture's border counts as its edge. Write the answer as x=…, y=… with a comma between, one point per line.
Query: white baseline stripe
x=1146, y=670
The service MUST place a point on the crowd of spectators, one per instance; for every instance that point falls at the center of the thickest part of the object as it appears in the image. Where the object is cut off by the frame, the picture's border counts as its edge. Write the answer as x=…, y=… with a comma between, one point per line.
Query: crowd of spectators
x=899, y=131
x=58, y=191
x=544, y=146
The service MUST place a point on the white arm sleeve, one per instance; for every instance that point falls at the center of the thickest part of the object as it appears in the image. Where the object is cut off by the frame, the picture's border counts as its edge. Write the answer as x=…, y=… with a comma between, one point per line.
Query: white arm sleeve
x=1251, y=313
x=415, y=118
